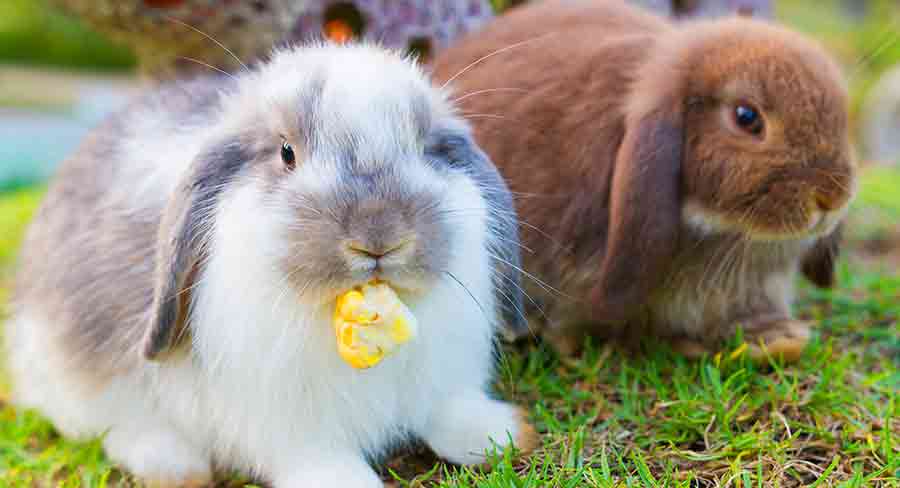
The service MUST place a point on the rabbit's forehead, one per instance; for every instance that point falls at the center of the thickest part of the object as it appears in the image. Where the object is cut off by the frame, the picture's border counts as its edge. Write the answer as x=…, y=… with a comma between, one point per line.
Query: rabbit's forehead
x=338, y=121
x=359, y=92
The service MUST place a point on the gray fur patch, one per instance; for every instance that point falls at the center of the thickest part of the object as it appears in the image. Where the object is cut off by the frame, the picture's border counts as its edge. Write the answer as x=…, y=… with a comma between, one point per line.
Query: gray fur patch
x=308, y=105
x=184, y=251
x=88, y=263
x=460, y=152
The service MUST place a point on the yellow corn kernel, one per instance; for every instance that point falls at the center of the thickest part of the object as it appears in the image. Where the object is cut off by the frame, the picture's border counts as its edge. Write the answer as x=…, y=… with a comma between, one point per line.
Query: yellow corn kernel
x=370, y=322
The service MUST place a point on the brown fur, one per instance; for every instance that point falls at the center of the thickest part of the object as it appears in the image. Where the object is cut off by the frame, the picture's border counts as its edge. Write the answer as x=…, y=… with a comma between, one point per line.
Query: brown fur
x=527, y=439
x=607, y=121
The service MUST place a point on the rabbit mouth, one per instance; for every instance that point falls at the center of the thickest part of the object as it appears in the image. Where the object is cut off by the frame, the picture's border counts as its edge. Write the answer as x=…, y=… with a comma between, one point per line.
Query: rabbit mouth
x=811, y=224
x=814, y=224
x=823, y=223
x=405, y=279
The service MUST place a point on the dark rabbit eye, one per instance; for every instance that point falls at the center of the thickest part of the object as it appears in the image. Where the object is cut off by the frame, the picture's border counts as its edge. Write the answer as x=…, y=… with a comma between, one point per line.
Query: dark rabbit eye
x=287, y=155
x=748, y=118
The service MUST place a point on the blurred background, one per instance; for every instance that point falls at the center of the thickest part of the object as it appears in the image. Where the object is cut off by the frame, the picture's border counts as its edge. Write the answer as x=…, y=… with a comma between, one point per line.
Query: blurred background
x=65, y=64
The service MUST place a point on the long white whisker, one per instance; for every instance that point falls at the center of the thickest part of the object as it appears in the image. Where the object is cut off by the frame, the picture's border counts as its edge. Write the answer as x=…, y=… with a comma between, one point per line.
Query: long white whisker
x=486, y=116
x=211, y=38
x=490, y=55
x=526, y=295
x=488, y=90
x=530, y=276
x=464, y=287
x=475, y=211
x=186, y=58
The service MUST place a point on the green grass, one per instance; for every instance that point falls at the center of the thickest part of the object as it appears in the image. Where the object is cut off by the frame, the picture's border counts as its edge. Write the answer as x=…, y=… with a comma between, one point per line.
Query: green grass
x=647, y=418
x=31, y=32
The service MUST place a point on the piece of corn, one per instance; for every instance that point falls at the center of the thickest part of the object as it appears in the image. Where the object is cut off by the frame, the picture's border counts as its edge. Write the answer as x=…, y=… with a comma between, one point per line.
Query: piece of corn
x=370, y=322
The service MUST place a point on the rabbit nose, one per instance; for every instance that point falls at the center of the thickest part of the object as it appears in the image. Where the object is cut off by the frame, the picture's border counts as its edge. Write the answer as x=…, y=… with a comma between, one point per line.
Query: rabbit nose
x=378, y=250
x=827, y=203
x=364, y=254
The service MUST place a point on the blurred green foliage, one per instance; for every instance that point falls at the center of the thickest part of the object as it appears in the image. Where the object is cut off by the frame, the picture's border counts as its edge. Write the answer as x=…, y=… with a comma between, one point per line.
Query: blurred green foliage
x=866, y=46
x=880, y=187
x=16, y=209
x=32, y=32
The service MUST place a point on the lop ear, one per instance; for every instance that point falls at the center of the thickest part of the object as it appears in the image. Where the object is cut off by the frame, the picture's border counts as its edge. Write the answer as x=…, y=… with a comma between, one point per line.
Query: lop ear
x=457, y=145
x=644, y=211
x=820, y=262
x=183, y=236
x=505, y=246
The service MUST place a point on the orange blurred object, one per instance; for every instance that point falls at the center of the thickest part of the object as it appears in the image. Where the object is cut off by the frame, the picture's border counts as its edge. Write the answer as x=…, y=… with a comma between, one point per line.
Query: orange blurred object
x=338, y=31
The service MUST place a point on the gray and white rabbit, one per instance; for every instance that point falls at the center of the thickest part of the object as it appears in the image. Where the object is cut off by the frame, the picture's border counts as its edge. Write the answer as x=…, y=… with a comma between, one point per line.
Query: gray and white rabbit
x=177, y=286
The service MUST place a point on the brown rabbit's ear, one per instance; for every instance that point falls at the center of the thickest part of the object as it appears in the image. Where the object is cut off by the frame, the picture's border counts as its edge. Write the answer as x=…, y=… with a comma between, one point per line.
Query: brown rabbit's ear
x=183, y=236
x=820, y=262
x=644, y=210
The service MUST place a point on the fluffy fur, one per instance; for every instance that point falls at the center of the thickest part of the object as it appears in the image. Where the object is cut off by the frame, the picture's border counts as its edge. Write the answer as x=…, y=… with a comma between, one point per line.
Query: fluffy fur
x=177, y=286
x=647, y=208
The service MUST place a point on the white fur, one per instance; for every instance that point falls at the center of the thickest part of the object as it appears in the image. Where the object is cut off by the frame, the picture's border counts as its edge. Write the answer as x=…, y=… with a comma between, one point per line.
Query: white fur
x=263, y=388
x=709, y=222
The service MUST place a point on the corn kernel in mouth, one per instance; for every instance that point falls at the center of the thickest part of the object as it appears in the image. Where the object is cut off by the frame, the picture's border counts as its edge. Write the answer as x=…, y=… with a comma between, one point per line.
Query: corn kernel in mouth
x=370, y=322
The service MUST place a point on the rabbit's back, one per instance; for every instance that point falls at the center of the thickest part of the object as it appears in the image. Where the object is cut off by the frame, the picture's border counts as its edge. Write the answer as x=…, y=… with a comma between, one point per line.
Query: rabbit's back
x=531, y=121
x=87, y=262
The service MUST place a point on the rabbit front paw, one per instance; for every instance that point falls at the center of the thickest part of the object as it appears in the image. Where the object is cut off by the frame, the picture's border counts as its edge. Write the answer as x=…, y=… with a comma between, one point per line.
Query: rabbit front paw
x=467, y=427
x=160, y=458
x=784, y=338
x=343, y=470
x=767, y=337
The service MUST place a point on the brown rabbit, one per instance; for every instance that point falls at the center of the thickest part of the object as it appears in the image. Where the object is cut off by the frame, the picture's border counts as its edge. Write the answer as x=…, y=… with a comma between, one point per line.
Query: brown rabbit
x=699, y=166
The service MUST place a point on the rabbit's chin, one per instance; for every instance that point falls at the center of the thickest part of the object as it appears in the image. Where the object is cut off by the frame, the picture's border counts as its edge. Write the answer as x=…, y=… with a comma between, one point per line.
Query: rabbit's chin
x=708, y=222
x=405, y=282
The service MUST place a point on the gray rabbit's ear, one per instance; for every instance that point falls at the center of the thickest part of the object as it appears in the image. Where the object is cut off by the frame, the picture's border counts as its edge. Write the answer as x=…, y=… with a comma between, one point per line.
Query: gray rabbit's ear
x=183, y=236
x=458, y=146
x=504, y=243
x=644, y=209
x=820, y=262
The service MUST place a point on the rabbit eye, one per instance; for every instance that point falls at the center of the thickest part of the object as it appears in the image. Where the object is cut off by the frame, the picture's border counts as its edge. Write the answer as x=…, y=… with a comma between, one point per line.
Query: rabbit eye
x=748, y=119
x=287, y=155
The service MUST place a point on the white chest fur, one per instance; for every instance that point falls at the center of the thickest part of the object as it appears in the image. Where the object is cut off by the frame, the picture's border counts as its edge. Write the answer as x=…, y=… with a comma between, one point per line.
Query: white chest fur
x=266, y=363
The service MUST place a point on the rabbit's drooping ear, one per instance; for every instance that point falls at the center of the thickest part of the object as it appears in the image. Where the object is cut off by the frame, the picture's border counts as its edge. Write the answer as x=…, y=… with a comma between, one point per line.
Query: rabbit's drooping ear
x=183, y=236
x=505, y=245
x=459, y=146
x=820, y=262
x=644, y=208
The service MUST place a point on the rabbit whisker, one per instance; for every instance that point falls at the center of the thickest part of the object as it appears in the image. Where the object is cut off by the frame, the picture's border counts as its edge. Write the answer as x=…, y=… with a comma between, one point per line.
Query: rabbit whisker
x=469, y=292
x=490, y=55
x=530, y=299
x=499, y=238
x=487, y=116
x=211, y=38
x=510, y=301
x=538, y=195
x=285, y=286
x=214, y=68
x=521, y=222
x=834, y=179
x=514, y=241
x=530, y=276
x=489, y=90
